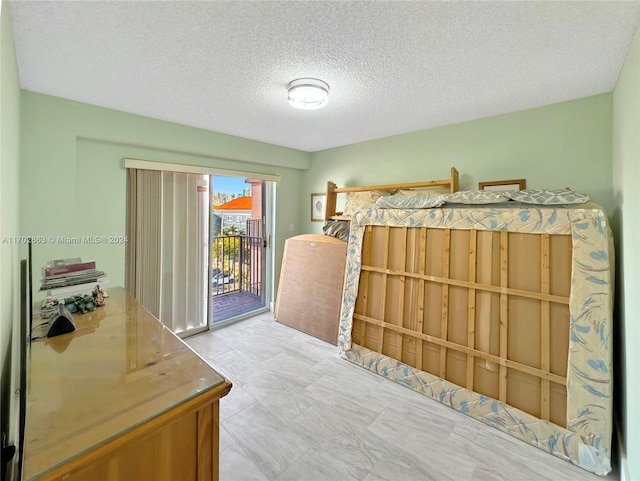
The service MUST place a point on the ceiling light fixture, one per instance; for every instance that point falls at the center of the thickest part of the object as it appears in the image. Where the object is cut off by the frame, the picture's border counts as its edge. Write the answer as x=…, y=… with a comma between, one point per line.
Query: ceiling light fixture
x=308, y=93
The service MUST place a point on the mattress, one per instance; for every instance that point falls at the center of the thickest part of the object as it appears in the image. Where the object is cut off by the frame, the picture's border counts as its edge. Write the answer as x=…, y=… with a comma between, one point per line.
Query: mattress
x=585, y=439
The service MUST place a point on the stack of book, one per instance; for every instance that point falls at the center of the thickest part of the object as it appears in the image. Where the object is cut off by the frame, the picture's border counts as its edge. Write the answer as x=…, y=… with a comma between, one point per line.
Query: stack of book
x=64, y=278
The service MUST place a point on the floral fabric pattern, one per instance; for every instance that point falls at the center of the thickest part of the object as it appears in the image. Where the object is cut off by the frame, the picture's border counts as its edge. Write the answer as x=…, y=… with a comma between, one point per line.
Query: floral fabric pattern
x=547, y=196
x=412, y=201
x=586, y=441
x=362, y=200
x=475, y=197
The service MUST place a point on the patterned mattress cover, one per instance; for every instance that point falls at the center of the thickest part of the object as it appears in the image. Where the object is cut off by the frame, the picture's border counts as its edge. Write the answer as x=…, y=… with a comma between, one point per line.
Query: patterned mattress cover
x=586, y=442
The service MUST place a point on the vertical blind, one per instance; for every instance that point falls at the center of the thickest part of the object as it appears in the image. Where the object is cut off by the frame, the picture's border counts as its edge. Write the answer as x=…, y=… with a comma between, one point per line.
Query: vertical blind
x=167, y=253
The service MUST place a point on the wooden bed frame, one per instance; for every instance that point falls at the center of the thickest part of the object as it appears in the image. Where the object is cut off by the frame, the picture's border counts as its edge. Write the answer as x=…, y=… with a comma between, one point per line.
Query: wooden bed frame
x=333, y=190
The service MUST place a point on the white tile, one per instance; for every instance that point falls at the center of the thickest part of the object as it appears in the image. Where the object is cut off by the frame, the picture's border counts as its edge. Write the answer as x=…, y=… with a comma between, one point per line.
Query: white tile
x=265, y=440
x=394, y=468
x=226, y=441
x=237, y=400
x=517, y=460
x=346, y=404
x=323, y=429
x=235, y=465
x=339, y=461
x=208, y=346
x=238, y=367
x=298, y=412
x=282, y=395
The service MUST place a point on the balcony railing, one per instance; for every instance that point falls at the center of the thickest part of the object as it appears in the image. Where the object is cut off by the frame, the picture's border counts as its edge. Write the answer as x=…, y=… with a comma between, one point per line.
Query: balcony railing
x=237, y=262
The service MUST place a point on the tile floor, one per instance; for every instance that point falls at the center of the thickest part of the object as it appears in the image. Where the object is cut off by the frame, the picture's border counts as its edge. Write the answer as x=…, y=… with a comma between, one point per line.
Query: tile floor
x=298, y=412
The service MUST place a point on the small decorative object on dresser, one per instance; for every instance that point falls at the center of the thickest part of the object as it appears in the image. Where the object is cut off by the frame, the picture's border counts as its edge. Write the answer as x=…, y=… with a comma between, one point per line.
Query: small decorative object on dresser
x=515, y=184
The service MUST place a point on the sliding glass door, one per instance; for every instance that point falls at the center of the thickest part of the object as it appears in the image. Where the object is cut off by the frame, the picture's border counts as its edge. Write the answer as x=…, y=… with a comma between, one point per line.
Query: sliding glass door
x=196, y=252
x=238, y=245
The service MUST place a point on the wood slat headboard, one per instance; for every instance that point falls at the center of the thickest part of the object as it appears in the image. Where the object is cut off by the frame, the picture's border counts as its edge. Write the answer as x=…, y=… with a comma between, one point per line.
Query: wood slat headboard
x=333, y=190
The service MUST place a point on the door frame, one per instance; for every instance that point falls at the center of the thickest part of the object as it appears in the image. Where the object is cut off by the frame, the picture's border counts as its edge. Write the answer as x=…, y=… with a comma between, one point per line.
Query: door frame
x=268, y=225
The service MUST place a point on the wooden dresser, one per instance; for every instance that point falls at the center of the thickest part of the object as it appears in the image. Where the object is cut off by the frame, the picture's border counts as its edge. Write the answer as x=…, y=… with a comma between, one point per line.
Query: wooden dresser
x=120, y=398
x=311, y=283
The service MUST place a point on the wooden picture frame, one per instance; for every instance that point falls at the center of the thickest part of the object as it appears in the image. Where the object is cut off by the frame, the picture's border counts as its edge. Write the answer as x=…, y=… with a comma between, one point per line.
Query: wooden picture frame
x=318, y=205
x=515, y=184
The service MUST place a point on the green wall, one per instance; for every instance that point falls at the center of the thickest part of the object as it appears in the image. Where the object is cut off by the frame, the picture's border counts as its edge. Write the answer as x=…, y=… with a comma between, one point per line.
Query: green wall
x=9, y=205
x=557, y=146
x=626, y=224
x=73, y=182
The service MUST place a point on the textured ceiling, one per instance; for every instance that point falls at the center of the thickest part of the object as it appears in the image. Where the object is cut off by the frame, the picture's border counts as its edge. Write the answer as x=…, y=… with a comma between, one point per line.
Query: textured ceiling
x=393, y=67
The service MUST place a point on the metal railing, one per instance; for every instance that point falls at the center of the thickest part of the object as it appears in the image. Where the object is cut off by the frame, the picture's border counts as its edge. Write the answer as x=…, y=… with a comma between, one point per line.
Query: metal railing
x=237, y=264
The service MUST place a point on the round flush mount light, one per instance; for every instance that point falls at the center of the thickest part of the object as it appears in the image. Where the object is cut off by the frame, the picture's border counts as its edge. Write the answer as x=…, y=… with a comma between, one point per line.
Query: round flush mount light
x=308, y=93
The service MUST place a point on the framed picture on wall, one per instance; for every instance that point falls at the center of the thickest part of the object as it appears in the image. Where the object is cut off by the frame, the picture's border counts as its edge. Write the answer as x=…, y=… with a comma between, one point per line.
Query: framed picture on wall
x=318, y=203
x=515, y=184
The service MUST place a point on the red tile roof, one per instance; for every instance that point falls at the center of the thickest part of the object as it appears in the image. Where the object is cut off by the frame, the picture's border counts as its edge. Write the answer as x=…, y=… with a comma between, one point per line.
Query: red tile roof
x=239, y=203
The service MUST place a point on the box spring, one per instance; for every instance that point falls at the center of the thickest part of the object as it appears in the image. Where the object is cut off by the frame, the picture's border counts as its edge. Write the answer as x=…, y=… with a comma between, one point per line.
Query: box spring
x=501, y=313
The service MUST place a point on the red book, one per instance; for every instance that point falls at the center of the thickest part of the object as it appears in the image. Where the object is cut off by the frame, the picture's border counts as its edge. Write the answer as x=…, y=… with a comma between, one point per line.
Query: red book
x=69, y=268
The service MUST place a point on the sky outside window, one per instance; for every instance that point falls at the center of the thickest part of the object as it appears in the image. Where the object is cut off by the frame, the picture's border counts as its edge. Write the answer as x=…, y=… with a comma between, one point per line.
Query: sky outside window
x=229, y=185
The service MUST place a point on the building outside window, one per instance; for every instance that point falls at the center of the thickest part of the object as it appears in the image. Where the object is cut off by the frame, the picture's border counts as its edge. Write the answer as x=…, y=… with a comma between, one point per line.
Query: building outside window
x=234, y=215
